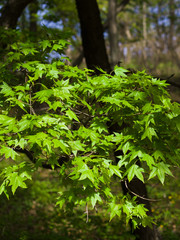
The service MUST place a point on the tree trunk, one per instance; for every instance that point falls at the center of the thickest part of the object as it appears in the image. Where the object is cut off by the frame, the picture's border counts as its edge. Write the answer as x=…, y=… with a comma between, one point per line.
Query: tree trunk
x=11, y=12
x=144, y=10
x=113, y=33
x=33, y=9
x=171, y=45
x=172, y=18
x=92, y=35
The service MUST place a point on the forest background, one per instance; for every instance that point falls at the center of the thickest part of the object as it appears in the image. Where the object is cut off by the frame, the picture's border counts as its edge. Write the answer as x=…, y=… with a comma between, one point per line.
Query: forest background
x=138, y=35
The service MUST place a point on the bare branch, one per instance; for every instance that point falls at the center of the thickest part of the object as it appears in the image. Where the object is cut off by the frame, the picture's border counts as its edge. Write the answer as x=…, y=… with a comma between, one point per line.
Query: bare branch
x=122, y=5
x=12, y=11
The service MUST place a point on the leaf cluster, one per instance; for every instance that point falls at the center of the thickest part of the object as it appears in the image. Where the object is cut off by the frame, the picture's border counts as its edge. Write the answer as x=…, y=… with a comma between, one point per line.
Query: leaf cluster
x=111, y=127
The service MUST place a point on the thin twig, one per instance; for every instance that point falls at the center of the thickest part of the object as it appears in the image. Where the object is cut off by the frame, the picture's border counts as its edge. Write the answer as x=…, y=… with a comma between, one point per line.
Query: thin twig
x=79, y=112
x=137, y=195
x=87, y=213
x=30, y=102
x=30, y=96
x=89, y=154
x=2, y=158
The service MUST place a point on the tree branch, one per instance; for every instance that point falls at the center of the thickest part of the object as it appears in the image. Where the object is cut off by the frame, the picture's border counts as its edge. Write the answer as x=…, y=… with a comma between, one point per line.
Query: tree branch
x=78, y=60
x=122, y=5
x=12, y=11
x=29, y=154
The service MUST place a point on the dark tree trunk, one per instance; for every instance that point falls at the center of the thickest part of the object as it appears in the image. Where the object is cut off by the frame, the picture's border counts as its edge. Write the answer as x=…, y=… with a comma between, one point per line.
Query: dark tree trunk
x=92, y=35
x=11, y=12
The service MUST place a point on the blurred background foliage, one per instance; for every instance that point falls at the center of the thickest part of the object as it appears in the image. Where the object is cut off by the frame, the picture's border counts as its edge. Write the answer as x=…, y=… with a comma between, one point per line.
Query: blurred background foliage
x=148, y=31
